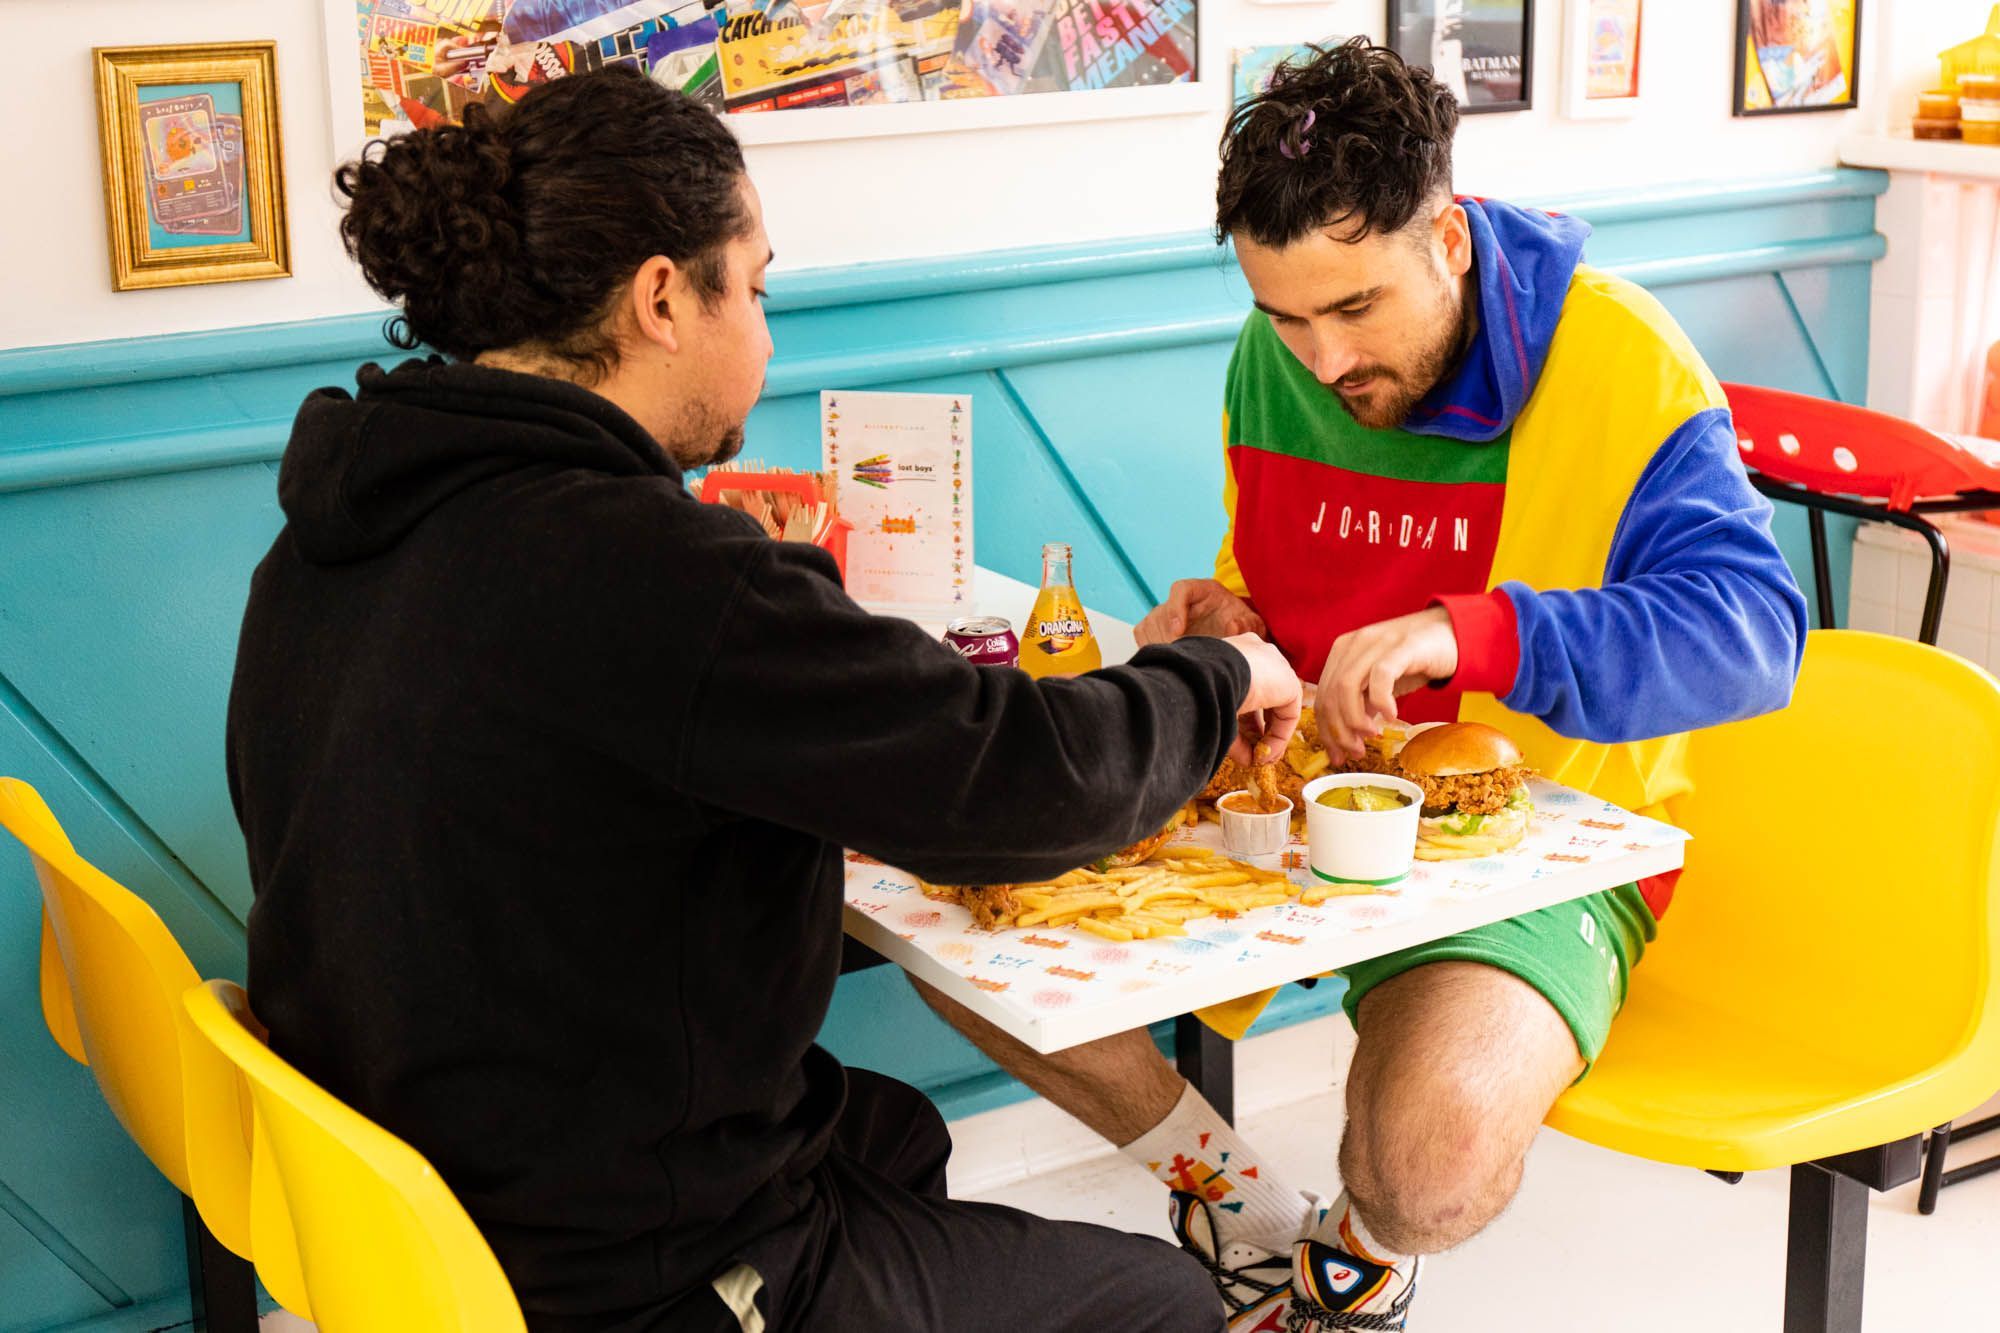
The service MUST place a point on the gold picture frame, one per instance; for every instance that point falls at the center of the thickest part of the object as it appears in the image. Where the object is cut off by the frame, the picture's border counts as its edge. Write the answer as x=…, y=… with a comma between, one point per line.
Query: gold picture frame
x=194, y=187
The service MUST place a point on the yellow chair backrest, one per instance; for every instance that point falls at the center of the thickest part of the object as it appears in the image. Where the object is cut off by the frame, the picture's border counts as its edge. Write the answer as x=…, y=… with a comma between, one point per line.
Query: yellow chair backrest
x=383, y=1246
x=112, y=978
x=231, y=1169
x=1842, y=880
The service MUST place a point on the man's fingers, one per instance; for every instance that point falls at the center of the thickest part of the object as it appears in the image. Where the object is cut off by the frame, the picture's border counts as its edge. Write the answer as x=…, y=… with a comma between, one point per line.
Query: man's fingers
x=1248, y=732
x=1279, y=724
x=1382, y=690
x=1354, y=708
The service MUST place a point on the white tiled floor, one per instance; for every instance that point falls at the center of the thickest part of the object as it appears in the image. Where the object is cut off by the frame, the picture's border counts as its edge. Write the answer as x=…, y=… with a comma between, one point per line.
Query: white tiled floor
x=1595, y=1241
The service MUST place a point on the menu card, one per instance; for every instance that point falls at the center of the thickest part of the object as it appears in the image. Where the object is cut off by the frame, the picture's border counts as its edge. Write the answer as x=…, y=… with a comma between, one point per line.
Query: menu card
x=903, y=464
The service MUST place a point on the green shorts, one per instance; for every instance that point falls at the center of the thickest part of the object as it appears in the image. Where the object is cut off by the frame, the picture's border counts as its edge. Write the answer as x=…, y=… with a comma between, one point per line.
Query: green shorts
x=1579, y=955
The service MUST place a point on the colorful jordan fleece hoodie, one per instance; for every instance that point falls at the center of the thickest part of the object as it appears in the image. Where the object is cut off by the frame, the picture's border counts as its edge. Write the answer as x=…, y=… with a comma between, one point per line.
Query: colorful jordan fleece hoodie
x=1572, y=495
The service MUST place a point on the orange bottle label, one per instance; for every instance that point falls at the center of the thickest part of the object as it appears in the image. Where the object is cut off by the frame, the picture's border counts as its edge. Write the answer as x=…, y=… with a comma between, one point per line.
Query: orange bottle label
x=1057, y=640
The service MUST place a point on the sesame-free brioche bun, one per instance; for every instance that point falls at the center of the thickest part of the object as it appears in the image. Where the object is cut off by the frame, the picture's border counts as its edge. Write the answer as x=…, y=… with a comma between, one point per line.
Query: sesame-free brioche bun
x=1458, y=748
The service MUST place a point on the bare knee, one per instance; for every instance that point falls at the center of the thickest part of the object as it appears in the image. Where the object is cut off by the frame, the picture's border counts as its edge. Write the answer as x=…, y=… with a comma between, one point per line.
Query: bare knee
x=1433, y=1178
x=1457, y=1065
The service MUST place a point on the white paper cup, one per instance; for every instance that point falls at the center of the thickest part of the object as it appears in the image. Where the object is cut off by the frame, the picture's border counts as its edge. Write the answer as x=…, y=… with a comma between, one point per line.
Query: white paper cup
x=1253, y=833
x=1361, y=846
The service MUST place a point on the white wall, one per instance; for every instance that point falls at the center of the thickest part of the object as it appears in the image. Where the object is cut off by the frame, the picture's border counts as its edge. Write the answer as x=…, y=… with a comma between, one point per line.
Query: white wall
x=1907, y=53
x=1936, y=297
x=843, y=202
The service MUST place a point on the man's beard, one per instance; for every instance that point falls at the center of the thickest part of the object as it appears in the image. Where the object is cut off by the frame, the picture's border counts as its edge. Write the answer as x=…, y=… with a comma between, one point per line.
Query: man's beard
x=1405, y=389
x=702, y=439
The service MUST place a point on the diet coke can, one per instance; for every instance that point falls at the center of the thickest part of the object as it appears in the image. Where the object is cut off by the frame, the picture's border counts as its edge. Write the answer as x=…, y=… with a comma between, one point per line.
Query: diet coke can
x=984, y=641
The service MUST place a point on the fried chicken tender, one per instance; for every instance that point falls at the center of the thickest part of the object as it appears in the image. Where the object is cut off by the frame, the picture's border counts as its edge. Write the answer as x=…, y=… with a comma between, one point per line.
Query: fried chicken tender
x=1264, y=782
x=992, y=906
x=1375, y=759
x=1228, y=778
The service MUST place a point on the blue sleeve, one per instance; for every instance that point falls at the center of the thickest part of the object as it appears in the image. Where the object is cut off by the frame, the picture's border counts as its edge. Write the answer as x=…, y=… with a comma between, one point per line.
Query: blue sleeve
x=1699, y=620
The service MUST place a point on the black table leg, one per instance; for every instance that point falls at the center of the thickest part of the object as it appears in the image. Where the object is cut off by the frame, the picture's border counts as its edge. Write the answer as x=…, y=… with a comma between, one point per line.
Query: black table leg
x=1826, y=1252
x=1207, y=1059
x=222, y=1287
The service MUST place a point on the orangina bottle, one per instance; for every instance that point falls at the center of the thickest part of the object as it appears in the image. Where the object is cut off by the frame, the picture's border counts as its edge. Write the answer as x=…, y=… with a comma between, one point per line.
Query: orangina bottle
x=1057, y=640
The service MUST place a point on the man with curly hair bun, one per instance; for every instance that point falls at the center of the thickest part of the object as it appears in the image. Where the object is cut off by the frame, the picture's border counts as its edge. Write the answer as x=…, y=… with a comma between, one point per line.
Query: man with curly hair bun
x=1468, y=477
x=545, y=768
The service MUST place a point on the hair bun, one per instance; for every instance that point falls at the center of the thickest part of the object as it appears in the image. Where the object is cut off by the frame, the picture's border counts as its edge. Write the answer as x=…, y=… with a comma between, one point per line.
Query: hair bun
x=518, y=229
x=430, y=223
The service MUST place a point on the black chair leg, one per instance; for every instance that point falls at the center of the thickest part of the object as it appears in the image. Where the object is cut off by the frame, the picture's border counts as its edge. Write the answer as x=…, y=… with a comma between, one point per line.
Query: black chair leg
x=1207, y=1059
x=221, y=1286
x=1822, y=568
x=1826, y=1252
x=1934, y=1150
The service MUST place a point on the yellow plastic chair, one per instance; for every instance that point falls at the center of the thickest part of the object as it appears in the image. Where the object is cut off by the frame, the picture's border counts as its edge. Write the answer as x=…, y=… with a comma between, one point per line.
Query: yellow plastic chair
x=383, y=1245
x=112, y=975
x=1822, y=989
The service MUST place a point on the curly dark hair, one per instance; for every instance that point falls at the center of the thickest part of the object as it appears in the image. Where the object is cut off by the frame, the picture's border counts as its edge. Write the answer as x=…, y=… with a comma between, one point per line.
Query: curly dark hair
x=517, y=228
x=1347, y=136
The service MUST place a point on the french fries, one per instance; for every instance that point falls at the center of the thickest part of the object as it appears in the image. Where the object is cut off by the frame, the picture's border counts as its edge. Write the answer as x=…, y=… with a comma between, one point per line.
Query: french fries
x=1176, y=884
x=1149, y=901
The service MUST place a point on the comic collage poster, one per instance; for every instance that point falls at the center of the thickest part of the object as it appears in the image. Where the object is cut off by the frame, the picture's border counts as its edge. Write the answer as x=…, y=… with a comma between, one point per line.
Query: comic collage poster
x=425, y=61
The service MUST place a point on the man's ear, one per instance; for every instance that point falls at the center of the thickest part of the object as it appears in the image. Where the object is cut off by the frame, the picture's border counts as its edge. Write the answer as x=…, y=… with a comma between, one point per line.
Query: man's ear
x=659, y=300
x=1454, y=238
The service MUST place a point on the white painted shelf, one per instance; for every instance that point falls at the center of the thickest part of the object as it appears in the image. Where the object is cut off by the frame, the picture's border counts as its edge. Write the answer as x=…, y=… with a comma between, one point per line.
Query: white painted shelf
x=1938, y=157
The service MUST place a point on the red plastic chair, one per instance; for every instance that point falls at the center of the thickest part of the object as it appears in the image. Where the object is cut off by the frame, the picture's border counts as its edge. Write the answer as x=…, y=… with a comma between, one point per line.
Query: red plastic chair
x=1838, y=458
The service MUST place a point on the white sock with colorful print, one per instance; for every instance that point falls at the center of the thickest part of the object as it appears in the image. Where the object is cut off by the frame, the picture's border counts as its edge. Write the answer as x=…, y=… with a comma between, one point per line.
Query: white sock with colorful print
x=1340, y=1226
x=1195, y=1150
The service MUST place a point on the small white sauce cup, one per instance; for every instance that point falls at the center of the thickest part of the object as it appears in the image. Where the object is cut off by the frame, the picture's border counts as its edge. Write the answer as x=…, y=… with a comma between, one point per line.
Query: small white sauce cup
x=1254, y=833
x=1361, y=846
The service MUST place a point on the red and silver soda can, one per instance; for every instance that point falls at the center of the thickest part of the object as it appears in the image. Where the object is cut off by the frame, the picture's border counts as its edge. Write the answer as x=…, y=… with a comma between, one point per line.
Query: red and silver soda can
x=984, y=641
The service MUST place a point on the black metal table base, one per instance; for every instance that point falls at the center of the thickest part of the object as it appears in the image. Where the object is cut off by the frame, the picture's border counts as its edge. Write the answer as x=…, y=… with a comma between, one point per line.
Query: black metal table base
x=1207, y=1059
x=222, y=1287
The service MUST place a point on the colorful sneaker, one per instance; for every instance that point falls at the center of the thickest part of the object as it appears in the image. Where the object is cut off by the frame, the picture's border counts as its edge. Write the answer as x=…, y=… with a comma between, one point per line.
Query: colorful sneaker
x=1331, y=1289
x=1255, y=1284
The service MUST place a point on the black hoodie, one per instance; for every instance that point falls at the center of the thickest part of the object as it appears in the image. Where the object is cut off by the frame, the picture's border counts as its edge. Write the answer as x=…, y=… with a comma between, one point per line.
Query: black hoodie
x=545, y=768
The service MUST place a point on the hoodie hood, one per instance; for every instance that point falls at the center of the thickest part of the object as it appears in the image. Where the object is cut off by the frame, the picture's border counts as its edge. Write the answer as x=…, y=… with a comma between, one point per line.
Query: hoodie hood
x=360, y=472
x=1523, y=260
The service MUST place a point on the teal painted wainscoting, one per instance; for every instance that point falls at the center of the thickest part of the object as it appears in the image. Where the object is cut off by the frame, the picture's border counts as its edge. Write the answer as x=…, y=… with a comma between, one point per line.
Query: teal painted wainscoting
x=136, y=495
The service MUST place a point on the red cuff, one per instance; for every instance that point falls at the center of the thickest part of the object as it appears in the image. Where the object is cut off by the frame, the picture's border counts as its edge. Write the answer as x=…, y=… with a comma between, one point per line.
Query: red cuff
x=1489, y=641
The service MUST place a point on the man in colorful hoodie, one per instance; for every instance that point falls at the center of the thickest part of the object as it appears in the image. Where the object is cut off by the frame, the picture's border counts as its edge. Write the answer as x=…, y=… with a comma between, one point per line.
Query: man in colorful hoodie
x=1468, y=478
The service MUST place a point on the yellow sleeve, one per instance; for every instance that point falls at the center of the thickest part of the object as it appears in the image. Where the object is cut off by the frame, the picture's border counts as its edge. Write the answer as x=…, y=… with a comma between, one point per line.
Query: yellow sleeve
x=1226, y=572
x=1232, y=1018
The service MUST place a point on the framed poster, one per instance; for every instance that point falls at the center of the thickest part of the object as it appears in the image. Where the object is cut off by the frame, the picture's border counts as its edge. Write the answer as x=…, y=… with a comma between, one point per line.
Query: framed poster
x=783, y=70
x=193, y=182
x=1797, y=55
x=1483, y=50
x=1252, y=67
x=1601, y=51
